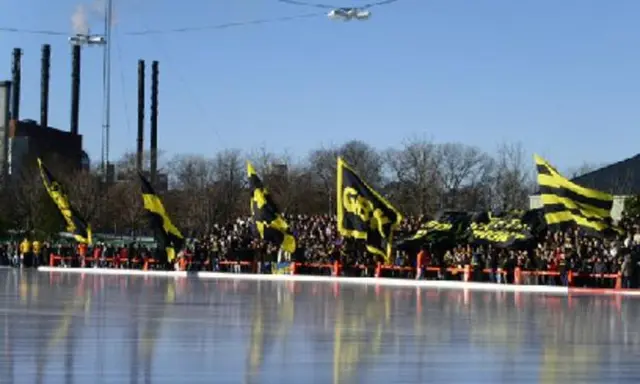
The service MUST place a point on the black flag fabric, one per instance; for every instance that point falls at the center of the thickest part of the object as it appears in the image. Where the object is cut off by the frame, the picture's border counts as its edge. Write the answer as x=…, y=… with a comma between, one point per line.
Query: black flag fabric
x=165, y=233
x=269, y=222
x=448, y=228
x=567, y=204
x=364, y=214
x=76, y=225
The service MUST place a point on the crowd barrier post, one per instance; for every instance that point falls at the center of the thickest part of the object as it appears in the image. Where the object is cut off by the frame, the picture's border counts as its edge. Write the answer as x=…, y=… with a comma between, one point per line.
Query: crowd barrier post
x=517, y=276
x=52, y=261
x=336, y=268
x=182, y=263
x=466, y=276
x=293, y=268
x=419, y=266
x=378, y=270
x=569, y=279
x=619, y=280
x=145, y=267
x=254, y=266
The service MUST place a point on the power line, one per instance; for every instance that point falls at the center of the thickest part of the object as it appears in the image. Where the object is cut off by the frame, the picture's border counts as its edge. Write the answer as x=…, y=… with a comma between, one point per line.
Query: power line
x=223, y=26
x=174, y=30
x=326, y=6
x=33, y=31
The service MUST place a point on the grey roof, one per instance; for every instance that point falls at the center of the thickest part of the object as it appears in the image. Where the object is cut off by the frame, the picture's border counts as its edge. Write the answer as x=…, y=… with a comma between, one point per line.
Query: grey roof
x=621, y=178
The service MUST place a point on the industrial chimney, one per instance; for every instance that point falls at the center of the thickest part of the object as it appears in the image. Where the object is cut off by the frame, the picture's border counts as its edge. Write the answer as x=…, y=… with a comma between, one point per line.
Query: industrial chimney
x=153, y=164
x=75, y=88
x=141, y=105
x=44, y=86
x=16, y=74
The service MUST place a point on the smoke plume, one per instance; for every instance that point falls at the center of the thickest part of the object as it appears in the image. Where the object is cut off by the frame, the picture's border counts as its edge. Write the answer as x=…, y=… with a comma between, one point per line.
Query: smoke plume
x=80, y=20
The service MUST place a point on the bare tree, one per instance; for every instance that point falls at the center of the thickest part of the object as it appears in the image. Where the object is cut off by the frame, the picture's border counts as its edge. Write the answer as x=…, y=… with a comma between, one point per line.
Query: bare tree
x=32, y=205
x=230, y=175
x=365, y=160
x=86, y=193
x=415, y=175
x=513, y=177
x=194, y=178
x=582, y=170
x=322, y=167
x=460, y=167
x=420, y=177
x=125, y=213
x=126, y=165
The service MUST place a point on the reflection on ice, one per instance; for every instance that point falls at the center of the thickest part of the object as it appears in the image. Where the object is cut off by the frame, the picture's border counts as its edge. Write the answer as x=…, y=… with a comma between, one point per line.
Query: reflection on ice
x=59, y=328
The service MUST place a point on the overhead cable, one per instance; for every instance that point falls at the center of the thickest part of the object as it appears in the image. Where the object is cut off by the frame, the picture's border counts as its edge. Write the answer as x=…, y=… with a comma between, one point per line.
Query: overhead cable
x=223, y=26
x=326, y=6
x=33, y=31
x=175, y=30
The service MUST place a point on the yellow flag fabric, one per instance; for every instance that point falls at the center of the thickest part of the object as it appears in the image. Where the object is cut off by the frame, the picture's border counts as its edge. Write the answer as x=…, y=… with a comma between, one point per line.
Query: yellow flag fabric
x=566, y=203
x=269, y=222
x=364, y=214
x=165, y=233
x=171, y=254
x=76, y=225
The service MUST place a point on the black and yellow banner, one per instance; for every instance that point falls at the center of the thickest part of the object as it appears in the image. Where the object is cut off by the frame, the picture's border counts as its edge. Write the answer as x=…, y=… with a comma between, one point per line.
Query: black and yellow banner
x=76, y=225
x=503, y=231
x=568, y=204
x=364, y=214
x=448, y=228
x=269, y=222
x=165, y=233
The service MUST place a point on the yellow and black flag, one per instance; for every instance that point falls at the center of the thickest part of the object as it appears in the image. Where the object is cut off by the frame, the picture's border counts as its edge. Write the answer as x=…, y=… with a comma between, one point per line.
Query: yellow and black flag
x=165, y=233
x=364, y=214
x=503, y=230
x=76, y=225
x=269, y=222
x=447, y=229
x=567, y=204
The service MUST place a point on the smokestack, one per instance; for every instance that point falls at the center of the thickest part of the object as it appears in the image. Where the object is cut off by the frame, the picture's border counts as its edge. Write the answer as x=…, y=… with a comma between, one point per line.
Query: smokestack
x=16, y=74
x=44, y=86
x=140, y=142
x=153, y=166
x=75, y=88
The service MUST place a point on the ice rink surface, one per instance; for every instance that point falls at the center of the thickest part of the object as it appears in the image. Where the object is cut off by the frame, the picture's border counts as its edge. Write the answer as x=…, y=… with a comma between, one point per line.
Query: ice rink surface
x=77, y=329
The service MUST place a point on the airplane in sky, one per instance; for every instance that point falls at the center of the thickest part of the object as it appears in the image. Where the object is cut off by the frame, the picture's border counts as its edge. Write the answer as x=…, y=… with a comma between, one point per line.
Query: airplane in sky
x=343, y=13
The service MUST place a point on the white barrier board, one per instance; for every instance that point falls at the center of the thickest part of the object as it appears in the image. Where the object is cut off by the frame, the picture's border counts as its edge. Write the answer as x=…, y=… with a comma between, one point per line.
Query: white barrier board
x=389, y=282
x=347, y=280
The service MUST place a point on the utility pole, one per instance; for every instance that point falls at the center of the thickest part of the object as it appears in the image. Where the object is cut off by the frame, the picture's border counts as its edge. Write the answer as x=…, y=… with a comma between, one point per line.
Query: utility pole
x=106, y=88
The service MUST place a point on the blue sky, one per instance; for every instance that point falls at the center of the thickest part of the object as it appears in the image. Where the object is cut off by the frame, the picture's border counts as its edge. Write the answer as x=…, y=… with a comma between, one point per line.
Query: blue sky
x=559, y=76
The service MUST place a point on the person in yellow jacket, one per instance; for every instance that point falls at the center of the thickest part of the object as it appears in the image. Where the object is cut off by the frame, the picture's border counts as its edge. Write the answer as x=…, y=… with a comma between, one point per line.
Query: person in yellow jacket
x=36, y=247
x=25, y=248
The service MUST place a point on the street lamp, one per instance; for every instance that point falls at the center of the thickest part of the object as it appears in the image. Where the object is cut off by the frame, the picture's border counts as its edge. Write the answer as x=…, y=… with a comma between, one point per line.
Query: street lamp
x=344, y=13
x=87, y=39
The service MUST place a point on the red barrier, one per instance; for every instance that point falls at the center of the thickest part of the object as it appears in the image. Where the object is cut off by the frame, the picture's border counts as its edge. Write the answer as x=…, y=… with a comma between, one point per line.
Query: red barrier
x=188, y=262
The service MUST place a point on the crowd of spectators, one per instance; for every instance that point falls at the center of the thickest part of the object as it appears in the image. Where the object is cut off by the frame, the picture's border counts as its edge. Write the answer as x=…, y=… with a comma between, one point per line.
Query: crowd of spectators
x=319, y=243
